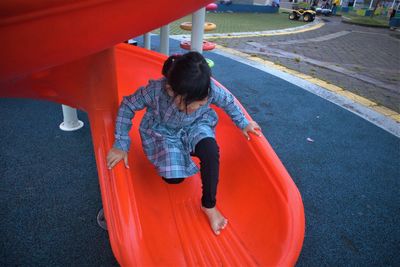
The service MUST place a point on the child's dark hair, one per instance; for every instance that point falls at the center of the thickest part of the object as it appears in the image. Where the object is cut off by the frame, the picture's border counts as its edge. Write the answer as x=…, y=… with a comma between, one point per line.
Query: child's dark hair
x=188, y=75
x=168, y=64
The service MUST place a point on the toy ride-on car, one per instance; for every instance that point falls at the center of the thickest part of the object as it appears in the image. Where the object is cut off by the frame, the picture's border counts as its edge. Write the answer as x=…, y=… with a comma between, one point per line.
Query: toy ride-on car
x=307, y=14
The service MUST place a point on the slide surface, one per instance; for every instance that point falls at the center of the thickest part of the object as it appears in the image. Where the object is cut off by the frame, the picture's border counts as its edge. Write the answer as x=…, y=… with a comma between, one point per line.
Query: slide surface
x=70, y=59
x=263, y=205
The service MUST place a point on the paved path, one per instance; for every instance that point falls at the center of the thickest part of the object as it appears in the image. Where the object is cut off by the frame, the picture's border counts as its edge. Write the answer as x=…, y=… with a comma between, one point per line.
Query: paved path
x=360, y=59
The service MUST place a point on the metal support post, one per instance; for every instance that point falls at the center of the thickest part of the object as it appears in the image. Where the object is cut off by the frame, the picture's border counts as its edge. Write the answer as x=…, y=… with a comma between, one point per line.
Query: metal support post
x=198, y=20
x=147, y=40
x=164, y=36
x=71, y=122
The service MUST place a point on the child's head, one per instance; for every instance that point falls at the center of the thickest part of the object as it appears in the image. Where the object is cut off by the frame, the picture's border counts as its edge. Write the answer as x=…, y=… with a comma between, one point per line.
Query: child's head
x=188, y=76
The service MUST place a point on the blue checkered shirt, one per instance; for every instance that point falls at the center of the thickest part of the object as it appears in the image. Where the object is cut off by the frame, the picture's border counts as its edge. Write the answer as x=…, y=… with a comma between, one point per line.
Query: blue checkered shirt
x=169, y=135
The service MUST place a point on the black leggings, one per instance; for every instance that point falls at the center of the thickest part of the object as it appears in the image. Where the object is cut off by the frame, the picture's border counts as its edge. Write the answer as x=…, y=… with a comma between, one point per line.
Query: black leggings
x=208, y=152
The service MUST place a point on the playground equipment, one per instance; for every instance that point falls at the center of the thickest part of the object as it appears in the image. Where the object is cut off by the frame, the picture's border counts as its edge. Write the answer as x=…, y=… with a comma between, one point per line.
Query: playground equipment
x=210, y=62
x=211, y=7
x=208, y=26
x=71, y=121
x=306, y=14
x=149, y=222
x=205, y=45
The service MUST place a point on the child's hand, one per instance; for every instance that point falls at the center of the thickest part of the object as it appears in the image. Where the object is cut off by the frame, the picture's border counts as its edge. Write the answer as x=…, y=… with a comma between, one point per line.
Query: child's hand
x=114, y=156
x=252, y=127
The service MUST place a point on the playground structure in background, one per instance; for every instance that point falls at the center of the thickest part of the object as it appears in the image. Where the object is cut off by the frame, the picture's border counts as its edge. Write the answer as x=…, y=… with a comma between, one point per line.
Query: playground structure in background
x=208, y=26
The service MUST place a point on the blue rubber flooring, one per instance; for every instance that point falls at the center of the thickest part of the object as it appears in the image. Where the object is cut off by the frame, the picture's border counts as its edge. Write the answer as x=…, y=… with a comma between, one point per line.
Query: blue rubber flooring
x=348, y=177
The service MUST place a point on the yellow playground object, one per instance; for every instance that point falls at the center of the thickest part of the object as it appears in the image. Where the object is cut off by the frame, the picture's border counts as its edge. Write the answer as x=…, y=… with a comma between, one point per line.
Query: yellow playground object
x=208, y=26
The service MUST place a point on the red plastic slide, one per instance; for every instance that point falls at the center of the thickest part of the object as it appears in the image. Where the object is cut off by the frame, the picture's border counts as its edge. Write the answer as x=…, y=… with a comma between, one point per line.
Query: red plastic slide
x=150, y=222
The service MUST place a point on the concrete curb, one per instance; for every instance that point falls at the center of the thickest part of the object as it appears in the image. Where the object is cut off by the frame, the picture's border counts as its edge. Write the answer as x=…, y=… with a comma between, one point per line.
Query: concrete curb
x=316, y=24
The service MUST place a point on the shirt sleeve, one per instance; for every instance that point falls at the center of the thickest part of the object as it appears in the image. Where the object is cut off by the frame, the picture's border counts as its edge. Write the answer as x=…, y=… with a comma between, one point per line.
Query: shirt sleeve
x=225, y=100
x=142, y=98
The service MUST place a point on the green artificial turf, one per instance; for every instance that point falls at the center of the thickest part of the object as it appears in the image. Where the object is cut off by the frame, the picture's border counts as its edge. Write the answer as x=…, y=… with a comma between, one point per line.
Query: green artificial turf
x=240, y=22
x=366, y=20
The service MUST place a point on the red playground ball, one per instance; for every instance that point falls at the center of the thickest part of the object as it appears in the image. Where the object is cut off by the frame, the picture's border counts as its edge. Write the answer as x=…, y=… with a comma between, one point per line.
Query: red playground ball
x=211, y=7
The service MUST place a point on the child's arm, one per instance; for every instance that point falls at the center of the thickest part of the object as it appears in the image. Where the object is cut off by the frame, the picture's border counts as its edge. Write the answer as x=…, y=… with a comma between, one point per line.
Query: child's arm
x=225, y=100
x=143, y=97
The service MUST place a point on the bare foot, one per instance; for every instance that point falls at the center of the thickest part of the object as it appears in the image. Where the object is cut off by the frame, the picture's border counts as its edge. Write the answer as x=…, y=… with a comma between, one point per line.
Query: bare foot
x=217, y=221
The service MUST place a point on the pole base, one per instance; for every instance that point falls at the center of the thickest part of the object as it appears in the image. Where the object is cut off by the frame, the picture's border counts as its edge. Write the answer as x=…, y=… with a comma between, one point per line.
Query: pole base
x=69, y=127
x=101, y=220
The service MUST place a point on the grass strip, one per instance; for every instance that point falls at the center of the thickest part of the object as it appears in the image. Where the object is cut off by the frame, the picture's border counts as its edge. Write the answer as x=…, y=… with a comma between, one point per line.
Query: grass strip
x=239, y=22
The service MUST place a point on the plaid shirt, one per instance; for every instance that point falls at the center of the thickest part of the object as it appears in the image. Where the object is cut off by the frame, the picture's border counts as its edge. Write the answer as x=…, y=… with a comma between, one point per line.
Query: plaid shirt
x=169, y=135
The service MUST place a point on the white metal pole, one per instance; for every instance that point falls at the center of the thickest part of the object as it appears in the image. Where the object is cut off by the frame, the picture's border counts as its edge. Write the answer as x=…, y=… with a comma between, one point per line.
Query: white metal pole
x=341, y=2
x=354, y=3
x=370, y=5
x=198, y=20
x=147, y=41
x=394, y=1
x=71, y=122
x=164, y=36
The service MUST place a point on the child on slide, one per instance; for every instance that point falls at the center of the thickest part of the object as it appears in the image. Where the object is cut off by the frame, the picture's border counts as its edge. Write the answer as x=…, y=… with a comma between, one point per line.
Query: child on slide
x=179, y=123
